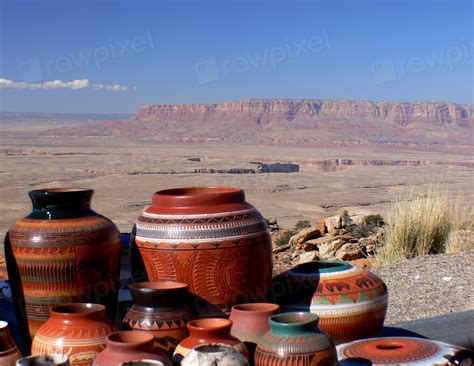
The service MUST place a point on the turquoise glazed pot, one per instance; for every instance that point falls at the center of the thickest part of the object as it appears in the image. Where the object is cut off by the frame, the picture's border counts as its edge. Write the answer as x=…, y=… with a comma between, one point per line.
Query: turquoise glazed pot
x=294, y=339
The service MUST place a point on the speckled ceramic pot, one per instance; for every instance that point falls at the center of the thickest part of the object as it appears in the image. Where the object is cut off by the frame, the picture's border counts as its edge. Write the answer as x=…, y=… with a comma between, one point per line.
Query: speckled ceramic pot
x=214, y=355
x=44, y=360
x=350, y=301
x=211, y=239
x=65, y=253
x=402, y=351
x=295, y=340
x=9, y=352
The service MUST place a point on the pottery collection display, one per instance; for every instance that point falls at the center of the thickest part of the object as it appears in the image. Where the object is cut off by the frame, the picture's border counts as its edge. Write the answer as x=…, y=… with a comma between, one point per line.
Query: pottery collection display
x=211, y=239
x=44, y=360
x=9, y=352
x=204, y=331
x=65, y=253
x=127, y=346
x=158, y=309
x=76, y=330
x=214, y=355
x=402, y=351
x=294, y=339
x=350, y=301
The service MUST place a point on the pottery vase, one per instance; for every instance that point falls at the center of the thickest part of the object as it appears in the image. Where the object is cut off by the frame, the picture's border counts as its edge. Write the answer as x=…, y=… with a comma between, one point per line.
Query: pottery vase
x=9, y=352
x=211, y=239
x=204, y=331
x=250, y=323
x=214, y=355
x=350, y=301
x=65, y=253
x=76, y=330
x=158, y=308
x=44, y=360
x=402, y=351
x=127, y=346
x=295, y=340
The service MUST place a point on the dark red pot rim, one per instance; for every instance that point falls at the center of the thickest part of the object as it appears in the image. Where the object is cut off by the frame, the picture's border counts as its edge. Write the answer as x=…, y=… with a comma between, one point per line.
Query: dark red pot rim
x=130, y=339
x=77, y=309
x=259, y=307
x=160, y=285
x=209, y=324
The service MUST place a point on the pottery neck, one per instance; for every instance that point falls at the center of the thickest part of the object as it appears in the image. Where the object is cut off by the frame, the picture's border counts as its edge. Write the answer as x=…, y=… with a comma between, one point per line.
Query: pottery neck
x=6, y=342
x=60, y=203
x=130, y=342
x=293, y=323
x=70, y=314
x=320, y=267
x=210, y=328
x=158, y=298
x=257, y=313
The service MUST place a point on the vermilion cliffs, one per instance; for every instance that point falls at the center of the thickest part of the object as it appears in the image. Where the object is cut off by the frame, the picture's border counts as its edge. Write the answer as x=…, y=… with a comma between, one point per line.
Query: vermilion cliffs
x=430, y=125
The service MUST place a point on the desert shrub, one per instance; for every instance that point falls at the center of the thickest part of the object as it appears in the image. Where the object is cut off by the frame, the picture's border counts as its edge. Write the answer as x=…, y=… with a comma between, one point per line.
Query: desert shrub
x=374, y=221
x=302, y=224
x=418, y=224
x=284, y=238
x=346, y=219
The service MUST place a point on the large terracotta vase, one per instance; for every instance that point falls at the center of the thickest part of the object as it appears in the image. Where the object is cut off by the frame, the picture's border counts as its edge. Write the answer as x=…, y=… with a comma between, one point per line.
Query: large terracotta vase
x=402, y=351
x=204, y=331
x=76, y=330
x=127, y=346
x=65, y=253
x=350, y=301
x=214, y=355
x=210, y=238
x=9, y=352
x=158, y=307
x=44, y=360
x=250, y=323
x=295, y=340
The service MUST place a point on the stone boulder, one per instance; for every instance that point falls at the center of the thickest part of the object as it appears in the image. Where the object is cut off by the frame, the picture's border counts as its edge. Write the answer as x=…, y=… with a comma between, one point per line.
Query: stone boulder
x=304, y=235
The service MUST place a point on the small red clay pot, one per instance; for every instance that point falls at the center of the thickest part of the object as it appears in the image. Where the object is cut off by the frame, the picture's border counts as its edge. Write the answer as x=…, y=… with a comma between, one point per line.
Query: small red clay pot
x=158, y=308
x=127, y=346
x=250, y=322
x=76, y=330
x=210, y=330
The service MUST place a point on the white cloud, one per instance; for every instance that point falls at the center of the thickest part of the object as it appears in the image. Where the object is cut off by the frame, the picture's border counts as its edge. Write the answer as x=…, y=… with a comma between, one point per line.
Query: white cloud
x=59, y=84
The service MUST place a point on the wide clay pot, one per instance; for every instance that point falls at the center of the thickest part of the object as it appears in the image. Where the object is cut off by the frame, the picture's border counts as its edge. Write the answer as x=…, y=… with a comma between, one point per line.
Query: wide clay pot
x=350, y=301
x=65, y=253
x=204, y=331
x=158, y=308
x=127, y=346
x=250, y=323
x=9, y=352
x=214, y=355
x=211, y=239
x=295, y=340
x=76, y=330
x=44, y=360
x=402, y=351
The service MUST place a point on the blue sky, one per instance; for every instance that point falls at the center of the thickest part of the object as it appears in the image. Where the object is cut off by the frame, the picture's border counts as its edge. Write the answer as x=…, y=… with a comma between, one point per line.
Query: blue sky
x=113, y=56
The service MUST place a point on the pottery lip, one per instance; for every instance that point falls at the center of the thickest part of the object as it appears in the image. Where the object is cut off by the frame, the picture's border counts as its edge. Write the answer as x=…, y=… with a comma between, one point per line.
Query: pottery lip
x=143, y=362
x=49, y=359
x=260, y=308
x=293, y=321
x=158, y=293
x=320, y=267
x=47, y=198
x=213, y=348
x=130, y=339
x=206, y=326
x=78, y=310
x=3, y=325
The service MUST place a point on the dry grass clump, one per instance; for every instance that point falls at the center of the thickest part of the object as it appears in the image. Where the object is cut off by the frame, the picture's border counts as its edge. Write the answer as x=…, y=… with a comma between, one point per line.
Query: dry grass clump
x=424, y=223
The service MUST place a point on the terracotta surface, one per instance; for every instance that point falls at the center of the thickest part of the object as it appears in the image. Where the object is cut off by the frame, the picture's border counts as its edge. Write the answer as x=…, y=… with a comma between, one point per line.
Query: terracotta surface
x=44, y=360
x=250, y=323
x=76, y=330
x=402, y=351
x=211, y=330
x=9, y=352
x=295, y=340
x=214, y=355
x=210, y=238
x=158, y=308
x=350, y=301
x=65, y=252
x=127, y=346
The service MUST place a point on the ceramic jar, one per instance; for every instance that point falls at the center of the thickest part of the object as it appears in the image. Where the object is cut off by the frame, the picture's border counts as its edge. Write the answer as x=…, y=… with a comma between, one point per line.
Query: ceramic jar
x=65, y=253
x=402, y=351
x=76, y=330
x=9, y=352
x=250, y=323
x=211, y=239
x=158, y=308
x=214, y=355
x=350, y=301
x=204, y=331
x=295, y=340
x=44, y=360
x=127, y=346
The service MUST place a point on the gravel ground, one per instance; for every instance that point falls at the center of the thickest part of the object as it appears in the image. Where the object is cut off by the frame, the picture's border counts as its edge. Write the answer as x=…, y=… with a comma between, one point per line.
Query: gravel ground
x=429, y=286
